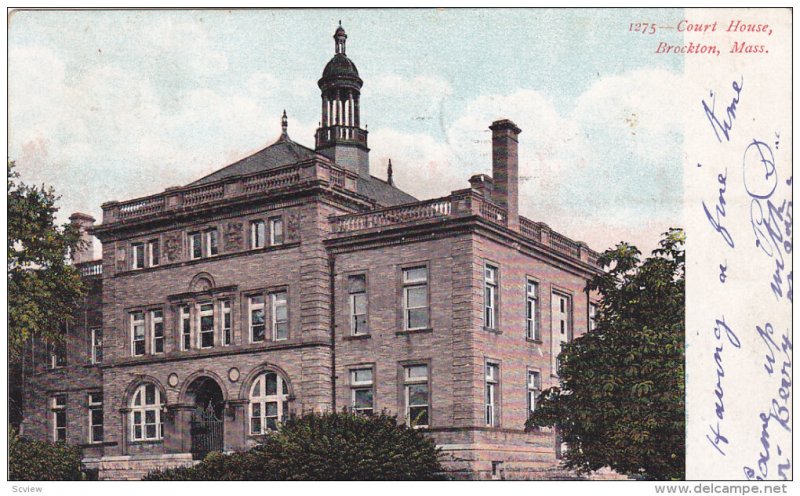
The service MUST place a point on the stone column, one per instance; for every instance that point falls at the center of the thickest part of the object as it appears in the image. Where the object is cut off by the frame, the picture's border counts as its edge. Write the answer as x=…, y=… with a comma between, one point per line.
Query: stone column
x=236, y=427
x=338, y=101
x=124, y=414
x=178, y=439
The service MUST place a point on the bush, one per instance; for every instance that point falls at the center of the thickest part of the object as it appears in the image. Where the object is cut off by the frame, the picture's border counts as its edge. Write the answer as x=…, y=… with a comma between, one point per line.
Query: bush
x=30, y=460
x=329, y=446
x=250, y=465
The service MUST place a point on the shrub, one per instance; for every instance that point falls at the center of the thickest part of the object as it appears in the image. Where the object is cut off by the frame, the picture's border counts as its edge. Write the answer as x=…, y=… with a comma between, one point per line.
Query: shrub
x=250, y=465
x=328, y=446
x=30, y=460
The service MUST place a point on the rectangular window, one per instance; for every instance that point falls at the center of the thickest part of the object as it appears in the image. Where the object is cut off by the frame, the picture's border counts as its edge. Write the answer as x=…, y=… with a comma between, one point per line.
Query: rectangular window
x=592, y=316
x=153, y=252
x=280, y=316
x=490, y=297
x=492, y=394
x=157, y=331
x=97, y=346
x=561, y=310
x=257, y=324
x=212, y=246
x=532, y=311
x=137, y=333
x=186, y=328
x=415, y=298
x=206, y=316
x=276, y=231
x=357, y=289
x=59, y=407
x=58, y=353
x=497, y=471
x=361, y=390
x=95, y=417
x=257, y=234
x=227, y=328
x=195, y=246
x=137, y=261
x=534, y=388
x=417, y=397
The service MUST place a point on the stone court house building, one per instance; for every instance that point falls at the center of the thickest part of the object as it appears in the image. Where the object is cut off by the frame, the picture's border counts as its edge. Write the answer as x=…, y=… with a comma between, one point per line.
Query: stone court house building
x=293, y=280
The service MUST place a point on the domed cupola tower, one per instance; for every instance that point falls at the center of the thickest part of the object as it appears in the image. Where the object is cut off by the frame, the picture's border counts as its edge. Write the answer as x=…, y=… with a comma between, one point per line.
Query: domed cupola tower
x=340, y=136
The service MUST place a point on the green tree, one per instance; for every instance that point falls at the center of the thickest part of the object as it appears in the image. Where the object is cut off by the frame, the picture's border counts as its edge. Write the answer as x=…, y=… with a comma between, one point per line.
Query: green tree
x=620, y=402
x=43, y=288
x=327, y=446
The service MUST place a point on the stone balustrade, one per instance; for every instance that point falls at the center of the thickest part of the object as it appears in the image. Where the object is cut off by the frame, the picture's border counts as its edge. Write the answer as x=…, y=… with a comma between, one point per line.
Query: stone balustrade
x=90, y=269
x=460, y=204
x=224, y=189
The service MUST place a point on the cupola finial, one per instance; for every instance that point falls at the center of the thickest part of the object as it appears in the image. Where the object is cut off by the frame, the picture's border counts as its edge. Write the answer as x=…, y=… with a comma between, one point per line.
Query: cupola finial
x=284, y=125
x=340, y=37
x=389, y=173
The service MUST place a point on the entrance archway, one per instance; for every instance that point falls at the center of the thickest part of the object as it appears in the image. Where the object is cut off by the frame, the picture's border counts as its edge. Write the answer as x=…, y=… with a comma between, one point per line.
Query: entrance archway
x=207, y=423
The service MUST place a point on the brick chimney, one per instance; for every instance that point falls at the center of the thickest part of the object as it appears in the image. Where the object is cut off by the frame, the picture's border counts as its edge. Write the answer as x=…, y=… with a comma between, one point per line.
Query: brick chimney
x=505, y=168
x=85, y=251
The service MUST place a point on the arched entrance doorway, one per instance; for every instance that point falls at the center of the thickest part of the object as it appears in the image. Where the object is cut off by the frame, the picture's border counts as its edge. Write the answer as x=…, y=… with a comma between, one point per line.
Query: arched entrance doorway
x=207, y=424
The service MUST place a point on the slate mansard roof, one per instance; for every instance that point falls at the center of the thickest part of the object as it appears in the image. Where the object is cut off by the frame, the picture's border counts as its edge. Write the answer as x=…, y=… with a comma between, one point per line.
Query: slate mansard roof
x=285, y=152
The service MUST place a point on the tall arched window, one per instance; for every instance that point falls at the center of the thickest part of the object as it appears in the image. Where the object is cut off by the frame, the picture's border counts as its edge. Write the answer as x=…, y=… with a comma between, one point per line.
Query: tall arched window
x=146, y=413
x=269, y=402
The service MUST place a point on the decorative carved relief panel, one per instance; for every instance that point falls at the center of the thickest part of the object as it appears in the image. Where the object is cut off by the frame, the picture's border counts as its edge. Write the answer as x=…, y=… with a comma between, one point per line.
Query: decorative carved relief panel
x=121, y=261
x=173, y=247
x=293, y=219
x=234, y=238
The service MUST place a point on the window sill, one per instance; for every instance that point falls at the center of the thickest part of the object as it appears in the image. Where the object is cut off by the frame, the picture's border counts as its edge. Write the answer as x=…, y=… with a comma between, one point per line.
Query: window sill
x=413, y=331
x=193, y=261
x=492, y=330
x=100, y=444
x=357, y=337
x=257, y=437
x=145, y=442
x=534, y=341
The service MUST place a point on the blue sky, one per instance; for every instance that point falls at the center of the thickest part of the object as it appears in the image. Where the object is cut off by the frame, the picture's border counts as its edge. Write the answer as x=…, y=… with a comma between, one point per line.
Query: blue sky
x=115, y=105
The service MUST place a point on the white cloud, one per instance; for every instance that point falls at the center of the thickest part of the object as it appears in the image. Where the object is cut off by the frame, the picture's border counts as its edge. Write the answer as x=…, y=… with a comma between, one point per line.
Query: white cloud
x=423, y=86
x=108, y=131
x=607, y=169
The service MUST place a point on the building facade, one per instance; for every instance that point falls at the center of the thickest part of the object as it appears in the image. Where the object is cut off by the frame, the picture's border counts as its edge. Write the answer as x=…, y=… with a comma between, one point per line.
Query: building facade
x=294, y=280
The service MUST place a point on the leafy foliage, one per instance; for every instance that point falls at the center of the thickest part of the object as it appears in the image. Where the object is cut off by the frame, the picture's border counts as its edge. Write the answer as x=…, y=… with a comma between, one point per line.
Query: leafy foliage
x=30, y=460
x=43, y=289
x=250, y=465
x=328, y=446
x=621, y=399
